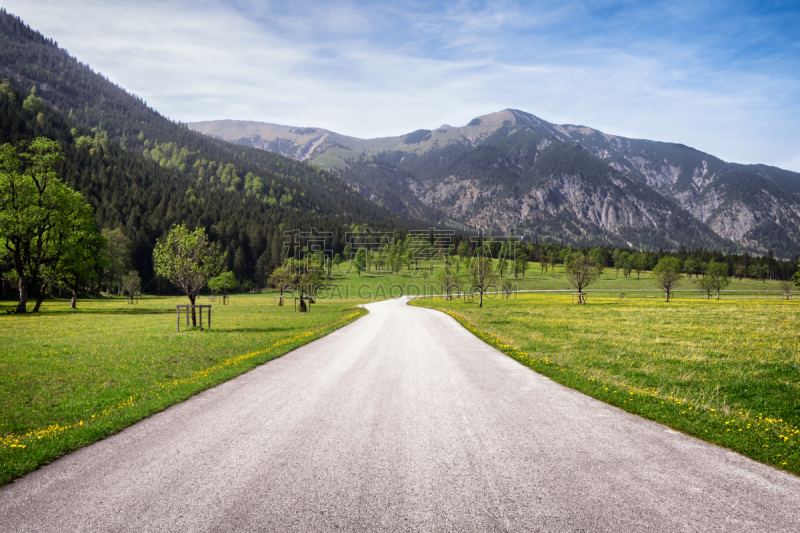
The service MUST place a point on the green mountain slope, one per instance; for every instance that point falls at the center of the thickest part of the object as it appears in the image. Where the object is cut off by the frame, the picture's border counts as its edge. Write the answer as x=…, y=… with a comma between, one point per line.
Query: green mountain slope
x=143, y=172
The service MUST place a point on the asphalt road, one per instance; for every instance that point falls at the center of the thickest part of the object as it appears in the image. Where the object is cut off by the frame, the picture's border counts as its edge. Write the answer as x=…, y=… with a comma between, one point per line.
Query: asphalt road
x=401, y=421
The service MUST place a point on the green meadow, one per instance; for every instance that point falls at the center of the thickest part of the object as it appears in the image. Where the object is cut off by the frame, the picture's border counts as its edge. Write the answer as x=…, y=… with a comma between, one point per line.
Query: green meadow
x=725, y=371
x=71, y=377
x=380, y=283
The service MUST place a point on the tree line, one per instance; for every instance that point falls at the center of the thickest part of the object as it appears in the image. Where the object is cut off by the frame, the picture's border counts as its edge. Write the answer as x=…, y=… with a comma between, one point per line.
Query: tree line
x=134, y=202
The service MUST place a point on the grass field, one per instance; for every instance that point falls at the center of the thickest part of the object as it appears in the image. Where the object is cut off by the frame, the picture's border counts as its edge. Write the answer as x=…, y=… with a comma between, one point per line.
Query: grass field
x=379, y=285
x=71, y=377
x=725, y=371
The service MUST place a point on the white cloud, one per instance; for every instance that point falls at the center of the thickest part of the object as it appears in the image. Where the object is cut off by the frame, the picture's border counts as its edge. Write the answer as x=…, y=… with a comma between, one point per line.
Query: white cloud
x=325, y=64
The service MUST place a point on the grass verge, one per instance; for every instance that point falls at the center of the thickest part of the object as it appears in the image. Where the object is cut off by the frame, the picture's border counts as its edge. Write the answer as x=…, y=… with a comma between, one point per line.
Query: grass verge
x=69, y=378
x=727, y=372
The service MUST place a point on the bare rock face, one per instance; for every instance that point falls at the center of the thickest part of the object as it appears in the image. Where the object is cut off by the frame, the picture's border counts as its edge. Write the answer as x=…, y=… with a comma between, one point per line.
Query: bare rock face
x=512, y=170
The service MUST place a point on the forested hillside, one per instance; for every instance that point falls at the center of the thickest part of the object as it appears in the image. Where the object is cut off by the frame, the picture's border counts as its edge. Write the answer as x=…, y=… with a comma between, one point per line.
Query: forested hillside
x=142, y=173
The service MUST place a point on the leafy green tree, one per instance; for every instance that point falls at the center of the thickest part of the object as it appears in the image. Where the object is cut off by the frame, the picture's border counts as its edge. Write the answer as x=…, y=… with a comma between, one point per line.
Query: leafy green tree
x=581, y=271
x=552, y=260
x=599, y=256
x=396, y=262
x=691, y=267
x=38, y=215
x=520, y=265
x=223, y=283
x=282, y=279
x=131, y=284
x=639, y=263
x=667, y=274
x=360, y=262
x=408, y=256
x=764, y=273
x=33, y=104
x=739, y=271
x=83, y=259
x=626, y=263
x=500, y=267
x=188, y=260
x=118, y=250
x=463, y=249
x=7, y=92
x=337, y=261
x=616, y=261
x=305, y=277
x=716, y=277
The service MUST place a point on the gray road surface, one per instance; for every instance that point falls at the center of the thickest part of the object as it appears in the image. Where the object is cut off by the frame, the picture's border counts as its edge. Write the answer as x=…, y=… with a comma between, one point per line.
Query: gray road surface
x=402, y=421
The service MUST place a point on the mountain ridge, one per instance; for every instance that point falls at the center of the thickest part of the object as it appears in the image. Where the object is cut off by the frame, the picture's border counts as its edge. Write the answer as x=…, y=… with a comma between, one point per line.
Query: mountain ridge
x=700, y=199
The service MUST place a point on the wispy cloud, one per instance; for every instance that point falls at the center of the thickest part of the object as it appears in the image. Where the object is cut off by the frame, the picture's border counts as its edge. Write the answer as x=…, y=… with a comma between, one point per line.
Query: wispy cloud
x=718, y=76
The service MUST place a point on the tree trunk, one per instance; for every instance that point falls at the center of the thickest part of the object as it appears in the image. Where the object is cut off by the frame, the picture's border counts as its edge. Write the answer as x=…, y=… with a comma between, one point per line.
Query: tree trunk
x=22, y=307
x=40, y=297
x=480, y=304
x=194, y=316
x=717, y=294
x=667, y=295
x=73, y=304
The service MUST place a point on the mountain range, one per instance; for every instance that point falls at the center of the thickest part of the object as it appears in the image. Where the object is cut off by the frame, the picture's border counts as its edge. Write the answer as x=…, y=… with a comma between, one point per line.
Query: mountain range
x=512, y=171
x=507, y=171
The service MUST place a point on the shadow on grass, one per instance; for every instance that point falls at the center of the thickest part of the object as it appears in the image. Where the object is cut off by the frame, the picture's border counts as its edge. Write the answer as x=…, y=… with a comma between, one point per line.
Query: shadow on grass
x=80, y=311
x=246, y=330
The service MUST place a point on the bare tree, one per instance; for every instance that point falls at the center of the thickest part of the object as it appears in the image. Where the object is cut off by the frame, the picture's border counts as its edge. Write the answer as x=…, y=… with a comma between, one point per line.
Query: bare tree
x=581, y=272
x=449, y=281
x=481, y=276
x=786, y=286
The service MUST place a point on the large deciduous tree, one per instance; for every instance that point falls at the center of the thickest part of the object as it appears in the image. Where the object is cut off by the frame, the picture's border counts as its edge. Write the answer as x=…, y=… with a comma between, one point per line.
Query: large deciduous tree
x=83, y=258
x=119, y=254
x=188, y=259
x=41, y=219
x=667, y=274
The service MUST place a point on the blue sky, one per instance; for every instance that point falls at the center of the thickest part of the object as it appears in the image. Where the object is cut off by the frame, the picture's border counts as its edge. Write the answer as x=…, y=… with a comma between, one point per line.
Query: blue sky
x=723, y=77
